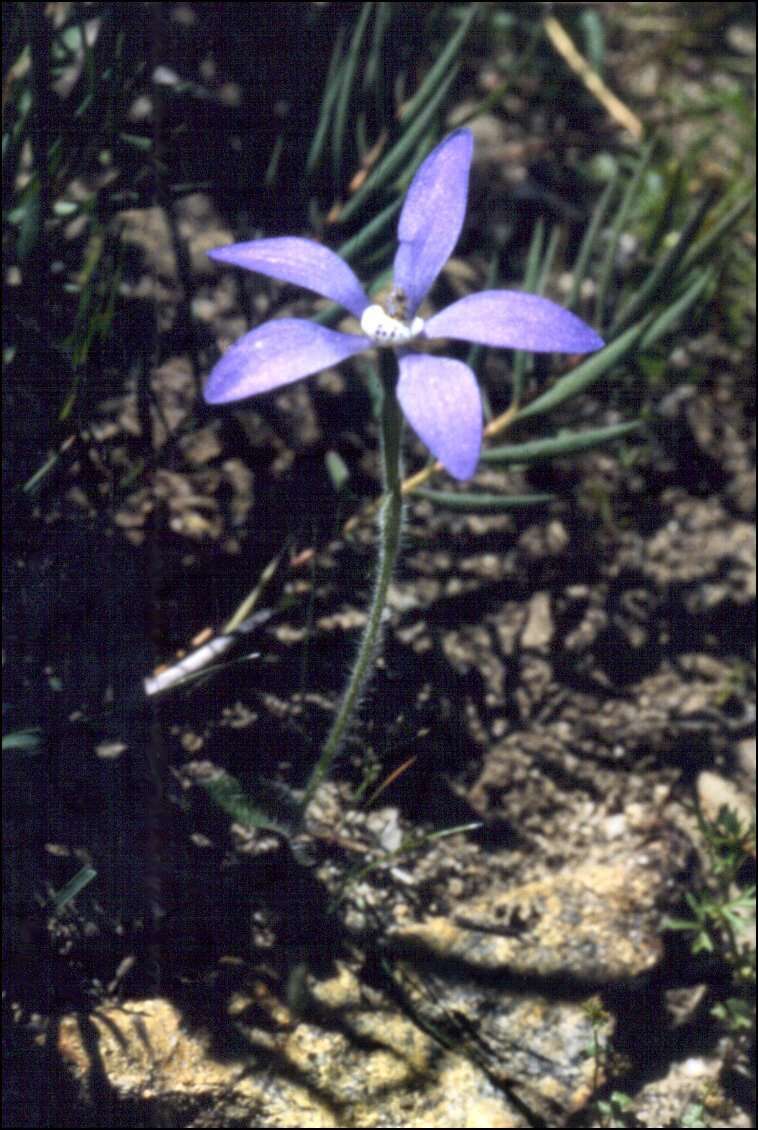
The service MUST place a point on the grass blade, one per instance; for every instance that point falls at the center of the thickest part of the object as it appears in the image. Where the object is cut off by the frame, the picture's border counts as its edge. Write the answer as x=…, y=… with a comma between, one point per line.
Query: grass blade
x=555, y=446
x=72, y=888
x=548, y=260
x=700, y=250
x=668, y=319
x=589, y=241
x=373, y=73
x=520, y=357
x=664, y=271
x=482, y=503
x=344, y=96
x=365, y=237
x=441, y=67
x=587, y=373
x=393, y=161
x=625, y=207
x=331, y=90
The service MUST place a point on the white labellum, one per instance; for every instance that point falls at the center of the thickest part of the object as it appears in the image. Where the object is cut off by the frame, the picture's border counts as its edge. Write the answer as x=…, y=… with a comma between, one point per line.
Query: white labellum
x=377, y=324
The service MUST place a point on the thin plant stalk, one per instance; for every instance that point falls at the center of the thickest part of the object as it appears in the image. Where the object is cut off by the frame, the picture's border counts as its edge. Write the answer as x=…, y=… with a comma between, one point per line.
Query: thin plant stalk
x=390, y=523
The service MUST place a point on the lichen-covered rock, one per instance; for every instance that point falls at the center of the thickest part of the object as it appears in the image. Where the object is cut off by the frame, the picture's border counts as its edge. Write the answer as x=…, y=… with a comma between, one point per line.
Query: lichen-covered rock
x=363, y=1064
x=594, y=922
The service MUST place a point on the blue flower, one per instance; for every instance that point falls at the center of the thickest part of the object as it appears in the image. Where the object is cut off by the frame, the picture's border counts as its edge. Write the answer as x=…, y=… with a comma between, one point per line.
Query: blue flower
x=439, y=396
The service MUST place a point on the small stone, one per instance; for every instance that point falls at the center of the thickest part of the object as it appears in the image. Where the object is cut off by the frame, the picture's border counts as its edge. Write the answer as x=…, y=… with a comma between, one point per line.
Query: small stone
x=715, y=792
x=746, y=757
x=540, y=628
x=109, y=751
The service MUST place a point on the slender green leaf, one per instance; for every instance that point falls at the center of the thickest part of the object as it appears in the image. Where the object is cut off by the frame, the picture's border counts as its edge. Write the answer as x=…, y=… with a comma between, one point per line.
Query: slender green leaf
x=627, y=201
x=593, y=33
x=144, y=144
x=424, y=147
x=373, y=73
x=548, y=260
x=482, y=503
x=441, y=68
x=665, y=221
x=521, y=359
x=226, y=791
x=677, y=310
x=368, y=233
x=702, y=248
x=348, y=70
x=40, y=474
x=587, y=373
x=361, y=135
x=589, y=241
x=27, y=216
x=269, y=176
x=518, y=66
x=331, y=90
x=26, y=741
x=380, y=255
x=72, y=888
x=664, y=270
x=393, y=161
x=569, y=443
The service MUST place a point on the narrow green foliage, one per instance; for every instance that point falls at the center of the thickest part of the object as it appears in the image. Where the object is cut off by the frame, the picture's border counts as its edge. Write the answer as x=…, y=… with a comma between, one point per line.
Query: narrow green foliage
x=700, y=250
x=664, y=270
x=137, y=141
x=373, y=72
x=568, y=443
x=73, y=887
x=34, y=481
x=331, y=90
x=361, y=134
x=593, y=35
x=269, y=177
x=722, y=914
x=548, y=260
x=678, y=309
x=521, y=359
x=28, y=214
x=226, y=791
x=345, y=94
x=482, y=503
x=27, y=741
x=520, y=65
x=622, y=214
x=668, y=209
x=438, y=72
x=588, y=373
x=396, y=159
x=589, y=242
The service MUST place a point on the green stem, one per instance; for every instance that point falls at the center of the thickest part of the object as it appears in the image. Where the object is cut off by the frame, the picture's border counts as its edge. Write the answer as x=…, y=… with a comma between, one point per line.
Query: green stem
x=390, y=522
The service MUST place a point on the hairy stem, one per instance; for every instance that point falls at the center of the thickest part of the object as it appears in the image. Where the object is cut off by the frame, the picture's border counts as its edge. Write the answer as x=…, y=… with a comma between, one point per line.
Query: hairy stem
x=390, y=521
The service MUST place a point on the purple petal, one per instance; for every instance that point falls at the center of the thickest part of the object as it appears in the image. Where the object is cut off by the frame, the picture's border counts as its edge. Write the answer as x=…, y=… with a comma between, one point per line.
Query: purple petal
x=432, y=216
x=441, y=401
x=299, y=261
x=512, y=320
x=276, y=354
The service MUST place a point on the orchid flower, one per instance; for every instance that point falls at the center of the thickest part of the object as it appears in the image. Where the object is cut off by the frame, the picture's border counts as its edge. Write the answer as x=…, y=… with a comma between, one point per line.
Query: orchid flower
x=439, y=396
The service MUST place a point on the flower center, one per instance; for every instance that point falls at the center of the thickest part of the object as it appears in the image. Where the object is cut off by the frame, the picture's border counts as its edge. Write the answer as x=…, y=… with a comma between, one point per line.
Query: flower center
x=384, y=330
